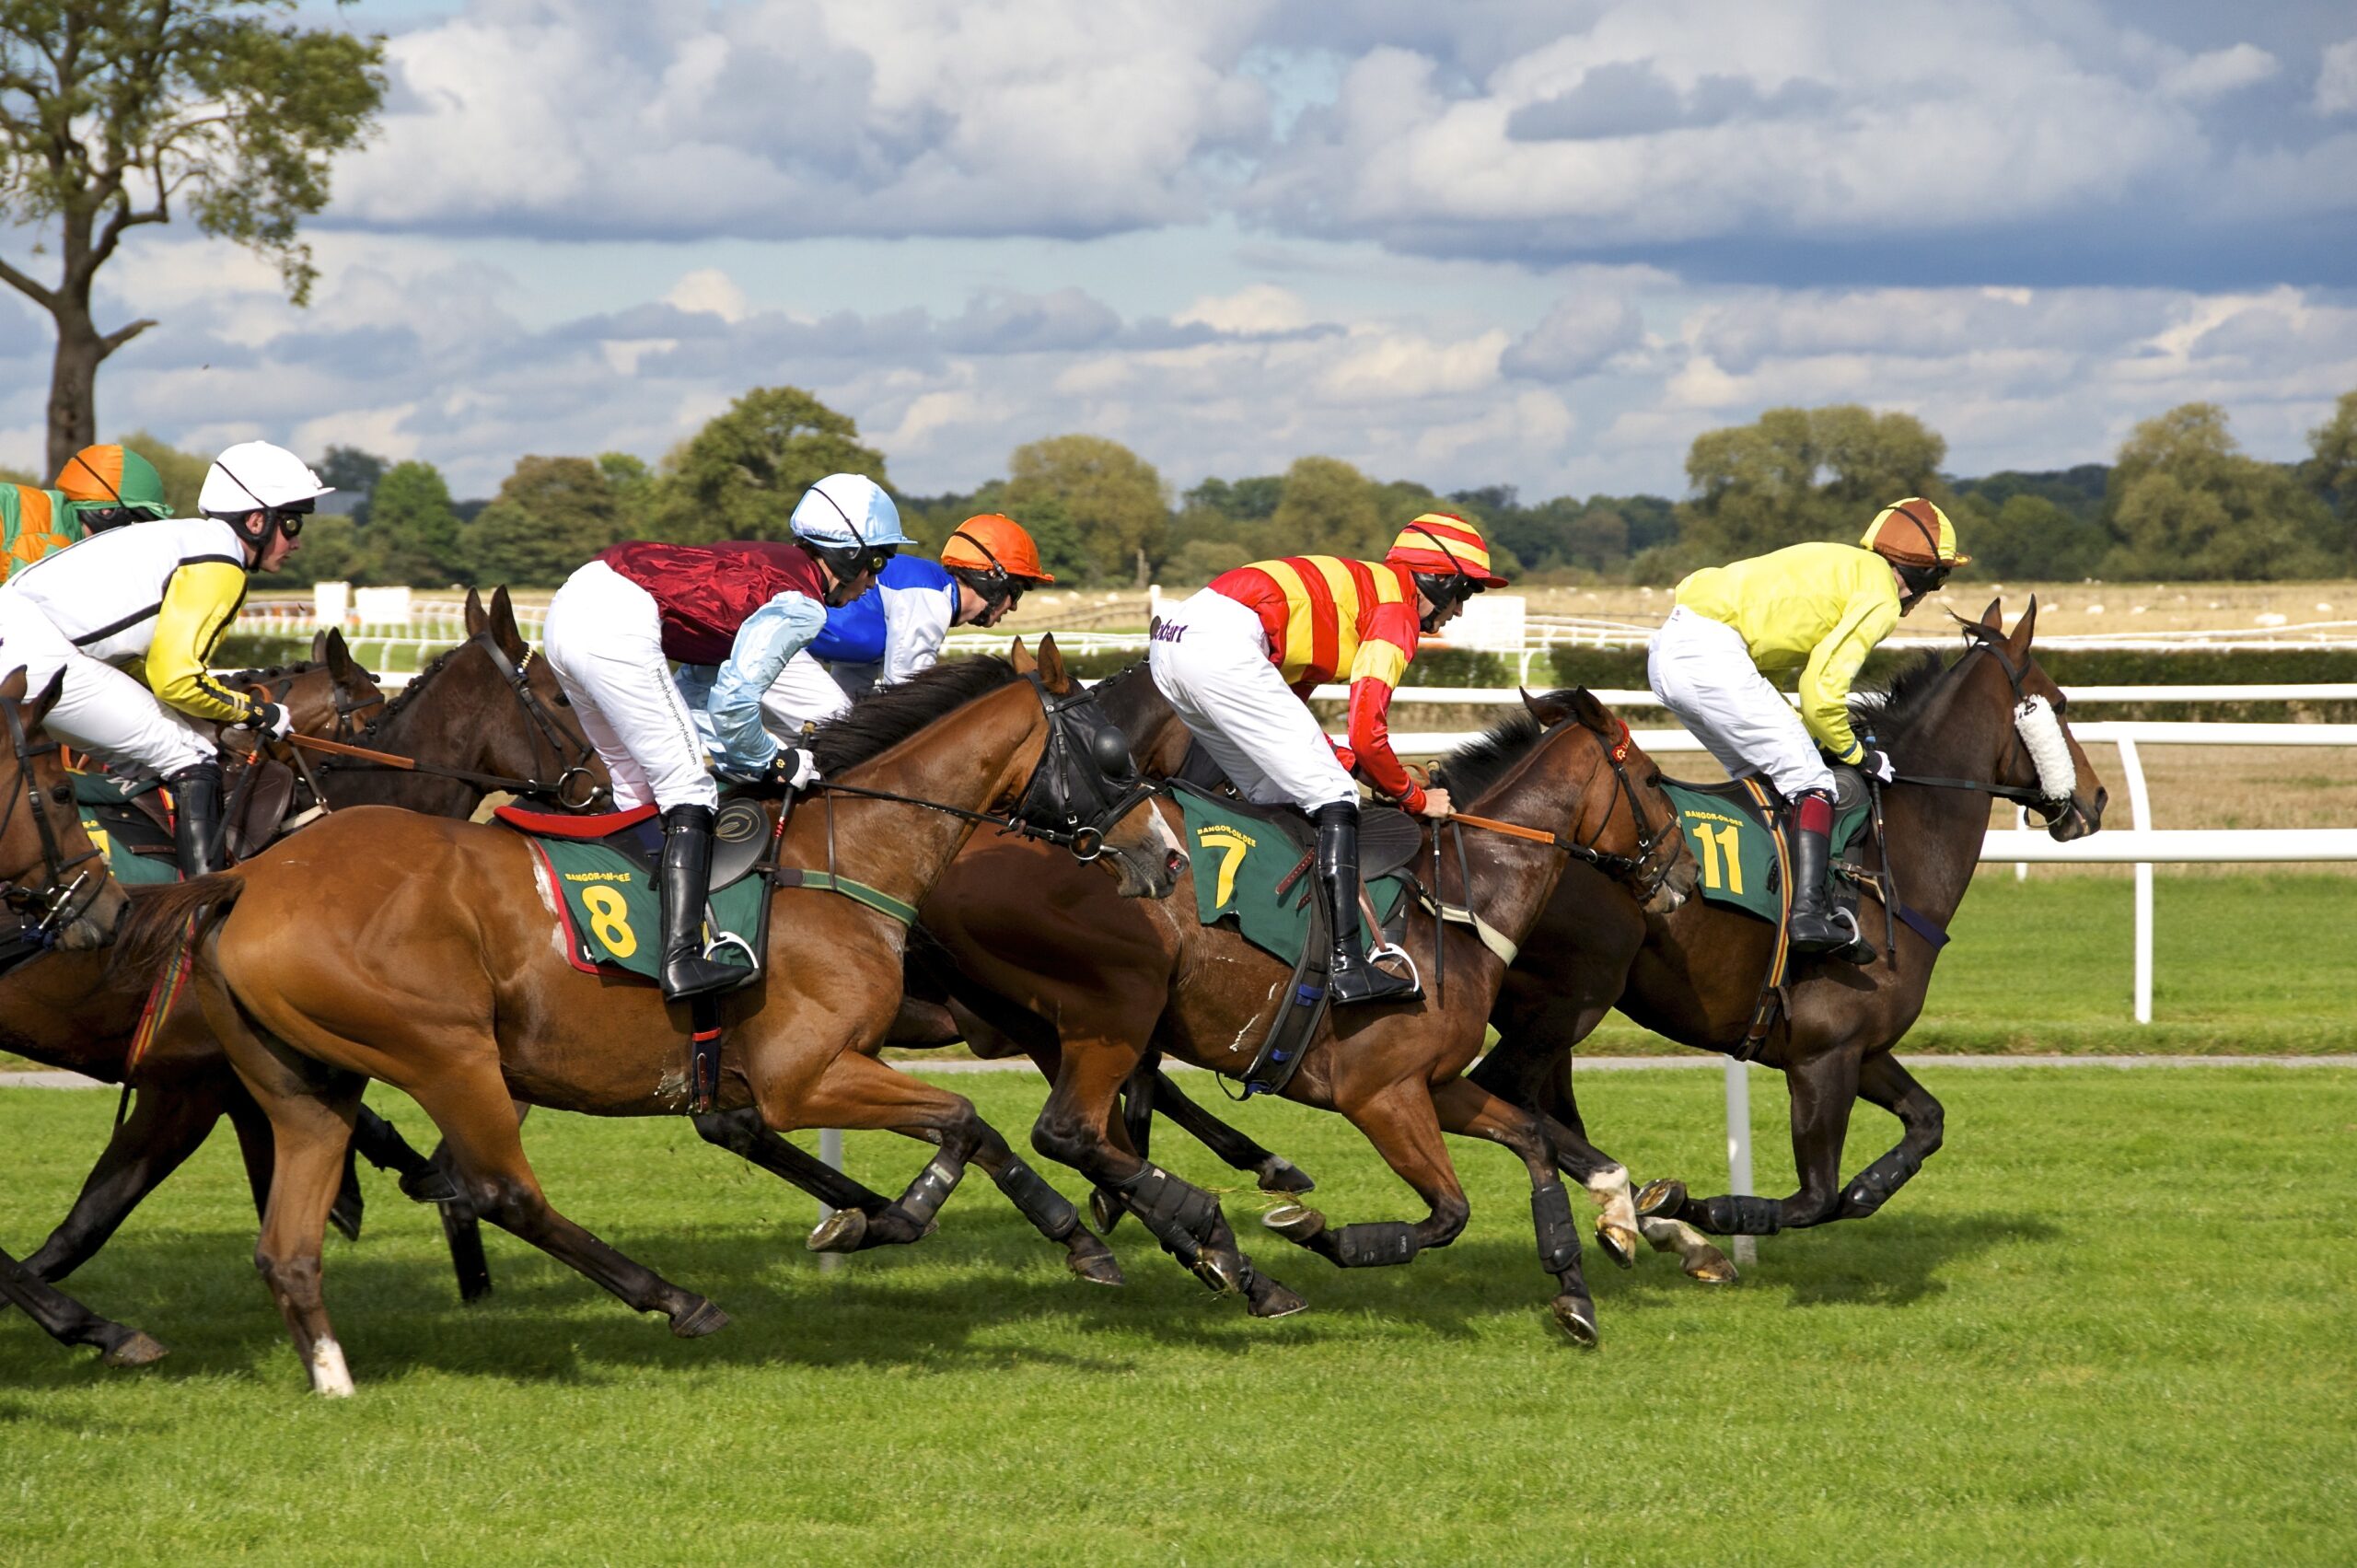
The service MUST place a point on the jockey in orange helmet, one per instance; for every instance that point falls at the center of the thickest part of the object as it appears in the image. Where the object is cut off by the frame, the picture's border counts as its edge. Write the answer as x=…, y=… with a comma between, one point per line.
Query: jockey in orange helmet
x=1239, y=661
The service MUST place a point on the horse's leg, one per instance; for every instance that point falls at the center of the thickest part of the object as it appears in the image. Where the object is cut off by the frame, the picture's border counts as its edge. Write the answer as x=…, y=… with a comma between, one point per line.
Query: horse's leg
x=1077, y=1127
x=351, y=1204
x=743, y=1134
x=1400, y=1121
x=164, y=1128
x=1886, y=1084
x=69, y=1322
x=1823, y=1088
x=1274, y=1172
x=1470, y=1111
x=1531, y=1068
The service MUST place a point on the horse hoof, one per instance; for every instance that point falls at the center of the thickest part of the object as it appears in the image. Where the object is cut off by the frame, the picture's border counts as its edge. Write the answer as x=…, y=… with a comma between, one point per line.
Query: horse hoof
x=1711, y=1267
x=1092, y=1259
x=1279, y=1174
x=1665, y=1196
x=1106, y=1210
x=695, y=1322
x=842, y=1231
x=135, y=1349
x=1294, y=1222
x=1578, y=1320
x=1225, y=1275
x=1267, y=1298
x=1619, y=1245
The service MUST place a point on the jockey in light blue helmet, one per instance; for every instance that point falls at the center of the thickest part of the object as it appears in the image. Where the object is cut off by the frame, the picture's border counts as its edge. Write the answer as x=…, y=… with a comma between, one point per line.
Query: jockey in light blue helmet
x=848, y=522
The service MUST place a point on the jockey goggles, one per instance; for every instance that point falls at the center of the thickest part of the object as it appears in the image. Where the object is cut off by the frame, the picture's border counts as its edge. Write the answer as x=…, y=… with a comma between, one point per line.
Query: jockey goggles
x=286, y=519
x=849, y=561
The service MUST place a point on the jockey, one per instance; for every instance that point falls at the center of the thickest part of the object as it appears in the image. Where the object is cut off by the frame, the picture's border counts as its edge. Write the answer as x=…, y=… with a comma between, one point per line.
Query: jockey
x=154, y=600
x=1239, y=661
x=101, y=487
x=1819, y=608
x=746, y=608
x=896, y=628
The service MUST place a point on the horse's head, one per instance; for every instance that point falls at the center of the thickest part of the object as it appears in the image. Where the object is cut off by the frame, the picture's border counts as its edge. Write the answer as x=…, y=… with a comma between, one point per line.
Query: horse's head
x=1087, y=788
x=56, y=880
x=2044, y=762
x=330, y=695
x=1659, y=871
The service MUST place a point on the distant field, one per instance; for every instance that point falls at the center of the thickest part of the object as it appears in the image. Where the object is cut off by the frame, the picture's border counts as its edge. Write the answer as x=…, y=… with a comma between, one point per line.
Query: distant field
x=2109, y=1323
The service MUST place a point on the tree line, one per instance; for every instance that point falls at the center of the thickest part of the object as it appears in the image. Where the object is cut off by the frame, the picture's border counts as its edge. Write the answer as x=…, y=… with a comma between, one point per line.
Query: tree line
x=2179, y=501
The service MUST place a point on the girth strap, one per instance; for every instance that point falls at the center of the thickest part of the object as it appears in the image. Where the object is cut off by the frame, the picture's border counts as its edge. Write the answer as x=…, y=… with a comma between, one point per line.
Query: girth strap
x=859, y=892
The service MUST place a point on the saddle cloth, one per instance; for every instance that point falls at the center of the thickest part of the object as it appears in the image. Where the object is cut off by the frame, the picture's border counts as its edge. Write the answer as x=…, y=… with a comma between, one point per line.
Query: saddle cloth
x=1246, y=857
x=1733, y=845
x=604, y=869
x=136, y=842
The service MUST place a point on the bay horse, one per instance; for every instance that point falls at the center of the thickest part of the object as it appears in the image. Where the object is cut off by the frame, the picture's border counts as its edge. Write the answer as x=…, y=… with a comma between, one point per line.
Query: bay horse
x=57, y=893
x=425, y=953
x=464, y=718
x=1091, y=988
x=1694, y=975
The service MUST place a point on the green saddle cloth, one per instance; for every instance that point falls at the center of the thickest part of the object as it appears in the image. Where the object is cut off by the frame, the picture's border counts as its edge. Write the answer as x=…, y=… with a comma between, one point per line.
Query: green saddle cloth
x=1238, y=861
x=1735, y=850
x=115, y=826
x=612, y=918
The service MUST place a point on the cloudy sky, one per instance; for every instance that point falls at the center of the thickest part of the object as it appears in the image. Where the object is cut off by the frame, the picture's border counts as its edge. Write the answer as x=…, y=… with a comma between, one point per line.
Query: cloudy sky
x=1475, y=242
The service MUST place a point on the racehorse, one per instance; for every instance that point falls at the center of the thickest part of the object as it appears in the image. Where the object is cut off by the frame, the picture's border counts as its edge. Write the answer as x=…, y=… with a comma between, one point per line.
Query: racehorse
x=1118, y=982
x=1958, y=734
x=57, y=893
x=427, y=953
x=466, y=717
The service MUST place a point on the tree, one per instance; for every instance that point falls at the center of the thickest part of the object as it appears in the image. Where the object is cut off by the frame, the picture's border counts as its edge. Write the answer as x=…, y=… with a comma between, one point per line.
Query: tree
x=111, y=111
x=552, y=515
x=2186, y=502
x=1328, y=509
x=412, y=524
x=2331, y=472
x=741, y=476
x=1805, y=474
x=2029, y=536
x=353, y=475
x=1113, y=498
x=183, y=472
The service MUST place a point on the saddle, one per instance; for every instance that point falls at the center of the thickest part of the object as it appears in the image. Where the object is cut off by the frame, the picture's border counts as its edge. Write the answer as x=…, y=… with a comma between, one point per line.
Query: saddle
x=739, y=834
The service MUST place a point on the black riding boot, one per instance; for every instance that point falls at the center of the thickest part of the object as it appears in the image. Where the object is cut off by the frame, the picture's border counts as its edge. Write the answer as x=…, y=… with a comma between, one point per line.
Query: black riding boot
x=196, y=818
x=687, y=880
x=1352, y=978
x=1815, y=928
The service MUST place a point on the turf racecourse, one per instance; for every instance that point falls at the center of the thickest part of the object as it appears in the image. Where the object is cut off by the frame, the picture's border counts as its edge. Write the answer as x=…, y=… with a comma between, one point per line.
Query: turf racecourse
x=2109, y=1323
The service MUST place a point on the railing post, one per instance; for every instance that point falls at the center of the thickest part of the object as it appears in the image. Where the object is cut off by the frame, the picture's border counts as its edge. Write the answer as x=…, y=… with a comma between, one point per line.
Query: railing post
x=831, y=1151
x=2140, y=804
x=1747, y=1248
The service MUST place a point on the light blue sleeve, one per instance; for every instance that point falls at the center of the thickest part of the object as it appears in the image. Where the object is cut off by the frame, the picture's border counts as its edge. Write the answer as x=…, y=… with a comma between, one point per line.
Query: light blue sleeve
x=769, y=636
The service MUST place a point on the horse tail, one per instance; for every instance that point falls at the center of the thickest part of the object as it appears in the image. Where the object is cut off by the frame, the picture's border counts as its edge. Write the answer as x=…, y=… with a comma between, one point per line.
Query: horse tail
x=164, y=917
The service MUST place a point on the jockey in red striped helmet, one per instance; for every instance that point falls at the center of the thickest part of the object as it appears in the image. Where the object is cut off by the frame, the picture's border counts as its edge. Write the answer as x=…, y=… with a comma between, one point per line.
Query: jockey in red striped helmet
x=1240, y=659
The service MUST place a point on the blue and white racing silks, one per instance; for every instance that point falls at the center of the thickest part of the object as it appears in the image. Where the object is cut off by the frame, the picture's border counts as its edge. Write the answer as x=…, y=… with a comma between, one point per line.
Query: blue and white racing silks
x=899, y=623
x=726, y=701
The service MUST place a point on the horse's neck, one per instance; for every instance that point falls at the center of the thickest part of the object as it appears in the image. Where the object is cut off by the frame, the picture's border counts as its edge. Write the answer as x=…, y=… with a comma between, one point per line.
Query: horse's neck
x=406, y=730
x=955, y=762
x=1515, y=876
x=1935, y=834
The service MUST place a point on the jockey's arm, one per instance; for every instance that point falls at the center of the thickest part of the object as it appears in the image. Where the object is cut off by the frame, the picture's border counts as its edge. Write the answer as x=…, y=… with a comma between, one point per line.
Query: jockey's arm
x=1375, y=673
x=769, y=636
x=1833, y=665
x=915, y=621
x=198, y=603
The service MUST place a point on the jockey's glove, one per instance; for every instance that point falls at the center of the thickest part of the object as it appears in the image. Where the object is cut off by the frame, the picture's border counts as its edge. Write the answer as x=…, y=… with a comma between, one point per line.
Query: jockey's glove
x=1877, y=763
x=793, y=767
x=269, y=722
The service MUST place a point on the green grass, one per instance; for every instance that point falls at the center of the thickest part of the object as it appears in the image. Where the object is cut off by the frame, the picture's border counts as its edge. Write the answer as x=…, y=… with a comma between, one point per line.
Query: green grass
x=2110, y=1323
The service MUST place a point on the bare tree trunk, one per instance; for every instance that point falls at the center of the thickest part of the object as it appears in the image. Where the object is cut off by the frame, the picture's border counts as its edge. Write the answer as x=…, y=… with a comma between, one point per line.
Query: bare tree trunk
x=72, y=387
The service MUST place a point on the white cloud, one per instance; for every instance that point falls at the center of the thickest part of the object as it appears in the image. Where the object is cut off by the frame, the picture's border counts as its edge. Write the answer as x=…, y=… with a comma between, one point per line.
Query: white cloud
x=711, y=292
x=2336, y=79
x=2219, y=72
x=1262, y=307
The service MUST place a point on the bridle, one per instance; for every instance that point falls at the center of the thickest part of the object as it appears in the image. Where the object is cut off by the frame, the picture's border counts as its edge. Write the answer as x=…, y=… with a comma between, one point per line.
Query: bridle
x=1658, y=846
x=575, y=787
x=1993, y=643
x=42, y=913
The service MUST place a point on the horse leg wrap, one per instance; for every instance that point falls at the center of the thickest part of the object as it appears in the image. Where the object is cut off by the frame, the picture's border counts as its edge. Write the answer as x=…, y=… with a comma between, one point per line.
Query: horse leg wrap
x=1729, y=1214
x=379, y=1143
x=1559, y=1234
x=1046, y=1208
x=1168, y=1205
x=1373, y=1244
x=931, y=1189
x=1873, y=1185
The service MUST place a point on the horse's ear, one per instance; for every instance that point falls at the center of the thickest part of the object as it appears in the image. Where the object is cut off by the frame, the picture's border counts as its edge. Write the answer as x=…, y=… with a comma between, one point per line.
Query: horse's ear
x=503, y=629
x=38, y=708
x=1052, y=673
x=329, y=648
x=320, y=643
x=13, y=687
x=1546, y=710
x=1020, y=657
x=1994, y=616
x=1593, y=713
x=476, y=620
x=2024, y=628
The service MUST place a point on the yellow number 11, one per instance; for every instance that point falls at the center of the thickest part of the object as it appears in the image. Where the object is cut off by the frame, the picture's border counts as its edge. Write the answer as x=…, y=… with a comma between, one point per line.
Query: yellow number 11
x=1716, y=841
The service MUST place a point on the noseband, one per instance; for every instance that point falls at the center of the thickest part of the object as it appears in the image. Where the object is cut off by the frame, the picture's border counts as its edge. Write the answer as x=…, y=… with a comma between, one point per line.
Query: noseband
x=1992, y=643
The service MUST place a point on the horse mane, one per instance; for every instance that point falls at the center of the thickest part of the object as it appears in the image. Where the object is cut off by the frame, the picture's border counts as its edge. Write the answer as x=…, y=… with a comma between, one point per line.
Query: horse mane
x=1480, y=763
x=884, y=718
x=399, y=699
x=269, y=673
x=1903, y=698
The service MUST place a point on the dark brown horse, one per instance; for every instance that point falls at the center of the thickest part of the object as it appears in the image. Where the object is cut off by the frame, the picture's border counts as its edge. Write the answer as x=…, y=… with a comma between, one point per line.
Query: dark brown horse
x=425, y=953
x=1694, y=975
x=1028, y=943
x=58, y=894
x=464, y=715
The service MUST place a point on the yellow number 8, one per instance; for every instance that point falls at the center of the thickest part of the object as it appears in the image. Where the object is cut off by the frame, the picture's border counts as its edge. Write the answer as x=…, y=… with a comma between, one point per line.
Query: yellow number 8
x=605, y=918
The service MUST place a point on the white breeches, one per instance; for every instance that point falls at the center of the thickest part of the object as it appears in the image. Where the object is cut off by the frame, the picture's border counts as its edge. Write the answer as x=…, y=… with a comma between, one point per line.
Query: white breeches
x=604, y=639
x=1702, y=672
x=99, y=708
x=1210, y=659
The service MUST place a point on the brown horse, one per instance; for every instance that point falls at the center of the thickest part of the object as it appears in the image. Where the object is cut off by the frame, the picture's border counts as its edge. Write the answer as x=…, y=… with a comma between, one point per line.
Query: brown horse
x=425, y=953
x=1120, y=981
x=57, y=893
x=463, y=716
x=1694, y=976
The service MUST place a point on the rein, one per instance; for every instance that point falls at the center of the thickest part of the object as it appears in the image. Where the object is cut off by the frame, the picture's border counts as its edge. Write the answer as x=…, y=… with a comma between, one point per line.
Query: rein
x=42, y=912
x=1620, y=867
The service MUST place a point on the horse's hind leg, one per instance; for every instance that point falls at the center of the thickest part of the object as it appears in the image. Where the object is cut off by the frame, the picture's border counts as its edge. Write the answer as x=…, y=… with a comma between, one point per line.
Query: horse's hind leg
x=876, y=1220
x=69, y=1322
x=1274, y=1172
x=1886, y=1084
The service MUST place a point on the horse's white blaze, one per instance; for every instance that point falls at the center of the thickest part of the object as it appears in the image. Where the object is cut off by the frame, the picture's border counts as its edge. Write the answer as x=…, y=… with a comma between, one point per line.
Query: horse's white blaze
x=1168, y=836
x=2041, y=731
x=329, y=1374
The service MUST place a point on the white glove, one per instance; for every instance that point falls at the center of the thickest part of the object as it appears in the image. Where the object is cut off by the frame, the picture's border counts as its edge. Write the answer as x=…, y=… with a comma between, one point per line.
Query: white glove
x=794, y=767
x=269, y=722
